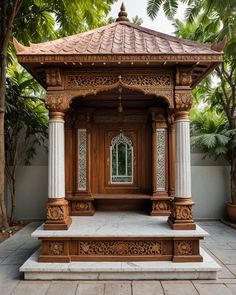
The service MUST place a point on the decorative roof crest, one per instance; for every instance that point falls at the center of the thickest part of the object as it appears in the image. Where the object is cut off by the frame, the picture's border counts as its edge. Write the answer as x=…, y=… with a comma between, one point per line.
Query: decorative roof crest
x=122, y=14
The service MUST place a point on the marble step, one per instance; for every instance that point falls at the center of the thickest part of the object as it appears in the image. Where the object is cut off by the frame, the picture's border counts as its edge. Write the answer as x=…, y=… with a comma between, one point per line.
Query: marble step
x=161, y=270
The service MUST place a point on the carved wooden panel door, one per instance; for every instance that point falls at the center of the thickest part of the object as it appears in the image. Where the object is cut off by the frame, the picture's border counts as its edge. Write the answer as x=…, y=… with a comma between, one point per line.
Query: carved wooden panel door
x=121, y=158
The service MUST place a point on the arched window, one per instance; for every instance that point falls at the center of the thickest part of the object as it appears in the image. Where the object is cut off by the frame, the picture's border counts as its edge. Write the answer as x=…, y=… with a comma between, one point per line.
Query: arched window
x=121, y=155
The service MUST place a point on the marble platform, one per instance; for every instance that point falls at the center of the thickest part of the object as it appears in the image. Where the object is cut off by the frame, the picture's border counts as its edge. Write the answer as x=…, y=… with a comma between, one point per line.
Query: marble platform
x=161, y=270
x=119, y=224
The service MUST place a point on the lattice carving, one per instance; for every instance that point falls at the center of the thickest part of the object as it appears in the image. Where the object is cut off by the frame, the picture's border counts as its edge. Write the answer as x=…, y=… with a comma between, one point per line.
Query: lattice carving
x=82, y=159
x=116, y=248
x=160, y=80
x=161, y=169
x=56, y=248
x=184, y=247
x=86, y=81
x=81, y=81
x=183, y=101
x=55, y=213
x=121, y=138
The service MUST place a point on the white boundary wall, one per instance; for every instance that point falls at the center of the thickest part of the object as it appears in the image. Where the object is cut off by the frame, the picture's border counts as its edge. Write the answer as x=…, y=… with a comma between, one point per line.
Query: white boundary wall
x=210, y=188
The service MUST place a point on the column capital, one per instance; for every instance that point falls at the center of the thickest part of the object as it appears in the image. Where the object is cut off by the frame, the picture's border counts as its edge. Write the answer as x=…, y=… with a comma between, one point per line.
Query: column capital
x=183, y=98
x=57, y=102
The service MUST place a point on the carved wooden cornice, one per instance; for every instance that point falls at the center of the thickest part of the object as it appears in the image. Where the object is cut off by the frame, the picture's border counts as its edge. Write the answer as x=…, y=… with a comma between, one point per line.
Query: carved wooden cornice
x=80, y=58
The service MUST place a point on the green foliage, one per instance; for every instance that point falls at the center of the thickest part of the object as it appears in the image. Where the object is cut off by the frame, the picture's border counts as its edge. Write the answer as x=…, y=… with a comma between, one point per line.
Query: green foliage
x=137, y=20
x=210, y=133
x=26, y=118
x=40, y=20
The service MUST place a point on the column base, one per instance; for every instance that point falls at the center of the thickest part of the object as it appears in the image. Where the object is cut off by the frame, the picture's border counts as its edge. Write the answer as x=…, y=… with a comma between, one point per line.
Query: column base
x=57, y=215
x=181, y=214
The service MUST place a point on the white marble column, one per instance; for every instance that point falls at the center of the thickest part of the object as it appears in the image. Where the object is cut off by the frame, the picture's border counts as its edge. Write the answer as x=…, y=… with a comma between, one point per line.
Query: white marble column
x=57, y=207
x=56, y=158
x=181, y=212
x=182, y=157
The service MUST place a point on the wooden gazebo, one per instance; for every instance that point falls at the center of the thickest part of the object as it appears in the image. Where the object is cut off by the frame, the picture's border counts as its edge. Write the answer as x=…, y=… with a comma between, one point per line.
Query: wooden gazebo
x=119, y=98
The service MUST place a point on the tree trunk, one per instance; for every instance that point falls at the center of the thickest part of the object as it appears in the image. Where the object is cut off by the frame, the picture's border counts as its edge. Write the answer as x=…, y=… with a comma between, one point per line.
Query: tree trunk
x=2, y=144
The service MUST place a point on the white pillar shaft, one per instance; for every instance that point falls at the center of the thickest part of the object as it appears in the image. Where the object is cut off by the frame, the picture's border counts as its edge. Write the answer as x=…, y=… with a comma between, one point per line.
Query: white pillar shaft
x=182, y=157
x=56, y=161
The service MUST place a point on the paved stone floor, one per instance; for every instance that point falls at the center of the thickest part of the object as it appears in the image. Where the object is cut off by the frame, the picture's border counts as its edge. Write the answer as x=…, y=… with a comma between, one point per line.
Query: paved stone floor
x=221, y=245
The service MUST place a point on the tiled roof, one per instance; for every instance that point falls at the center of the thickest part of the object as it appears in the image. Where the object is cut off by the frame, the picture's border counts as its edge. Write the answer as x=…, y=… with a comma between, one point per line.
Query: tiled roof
x=121, y=37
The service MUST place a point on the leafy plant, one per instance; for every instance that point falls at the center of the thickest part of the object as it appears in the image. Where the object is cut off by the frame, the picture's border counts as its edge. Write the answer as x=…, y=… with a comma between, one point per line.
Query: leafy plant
x=25, y=125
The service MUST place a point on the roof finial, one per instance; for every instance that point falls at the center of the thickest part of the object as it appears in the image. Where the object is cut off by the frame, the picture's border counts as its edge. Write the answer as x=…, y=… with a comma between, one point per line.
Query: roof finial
x=122, y=14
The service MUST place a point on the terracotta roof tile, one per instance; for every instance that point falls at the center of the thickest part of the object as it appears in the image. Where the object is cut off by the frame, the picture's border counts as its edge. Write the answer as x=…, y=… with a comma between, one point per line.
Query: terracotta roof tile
x=118, y=38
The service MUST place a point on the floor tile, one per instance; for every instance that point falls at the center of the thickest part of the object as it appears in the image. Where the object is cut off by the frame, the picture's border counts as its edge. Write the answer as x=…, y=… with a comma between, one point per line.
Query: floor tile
x=118, y=289
x=186, y=288
x=90, y=289
x=147, y=287
x=62, y=289
x=31, y=288
x=213, y=289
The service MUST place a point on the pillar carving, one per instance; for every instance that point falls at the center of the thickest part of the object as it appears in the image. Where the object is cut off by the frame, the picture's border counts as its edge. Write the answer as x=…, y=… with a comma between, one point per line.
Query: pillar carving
x=160, y=197
x=57, y=207
x=181, y=210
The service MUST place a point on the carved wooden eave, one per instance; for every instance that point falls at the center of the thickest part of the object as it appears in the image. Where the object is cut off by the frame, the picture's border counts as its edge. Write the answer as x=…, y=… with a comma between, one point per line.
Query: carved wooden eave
x=120, y=45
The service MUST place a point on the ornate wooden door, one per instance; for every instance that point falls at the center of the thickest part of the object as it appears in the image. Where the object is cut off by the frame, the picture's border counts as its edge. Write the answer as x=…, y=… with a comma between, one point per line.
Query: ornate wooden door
x=121, y=158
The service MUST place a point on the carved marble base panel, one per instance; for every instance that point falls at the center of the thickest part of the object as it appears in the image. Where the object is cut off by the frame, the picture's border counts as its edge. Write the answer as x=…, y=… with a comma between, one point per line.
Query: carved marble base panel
x=81, y=207
x=161, y=207
x=57, y=215
x=181, y=217
x=120, y=249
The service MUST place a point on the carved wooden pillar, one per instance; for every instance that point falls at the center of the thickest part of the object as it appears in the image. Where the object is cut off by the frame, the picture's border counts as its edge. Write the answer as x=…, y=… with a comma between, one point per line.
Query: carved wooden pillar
x=57, y=207
x=82, y=203
x=160, y=198
x=181, y=217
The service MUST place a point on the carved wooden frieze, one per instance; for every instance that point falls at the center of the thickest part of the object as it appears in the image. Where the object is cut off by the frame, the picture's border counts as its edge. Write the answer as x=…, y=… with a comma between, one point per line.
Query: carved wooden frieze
x=116, y=248
x=159, y=85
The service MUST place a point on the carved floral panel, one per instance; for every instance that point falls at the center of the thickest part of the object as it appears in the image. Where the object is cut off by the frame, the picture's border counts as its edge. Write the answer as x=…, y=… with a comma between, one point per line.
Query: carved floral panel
x=82, y=159
x=161, y=161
